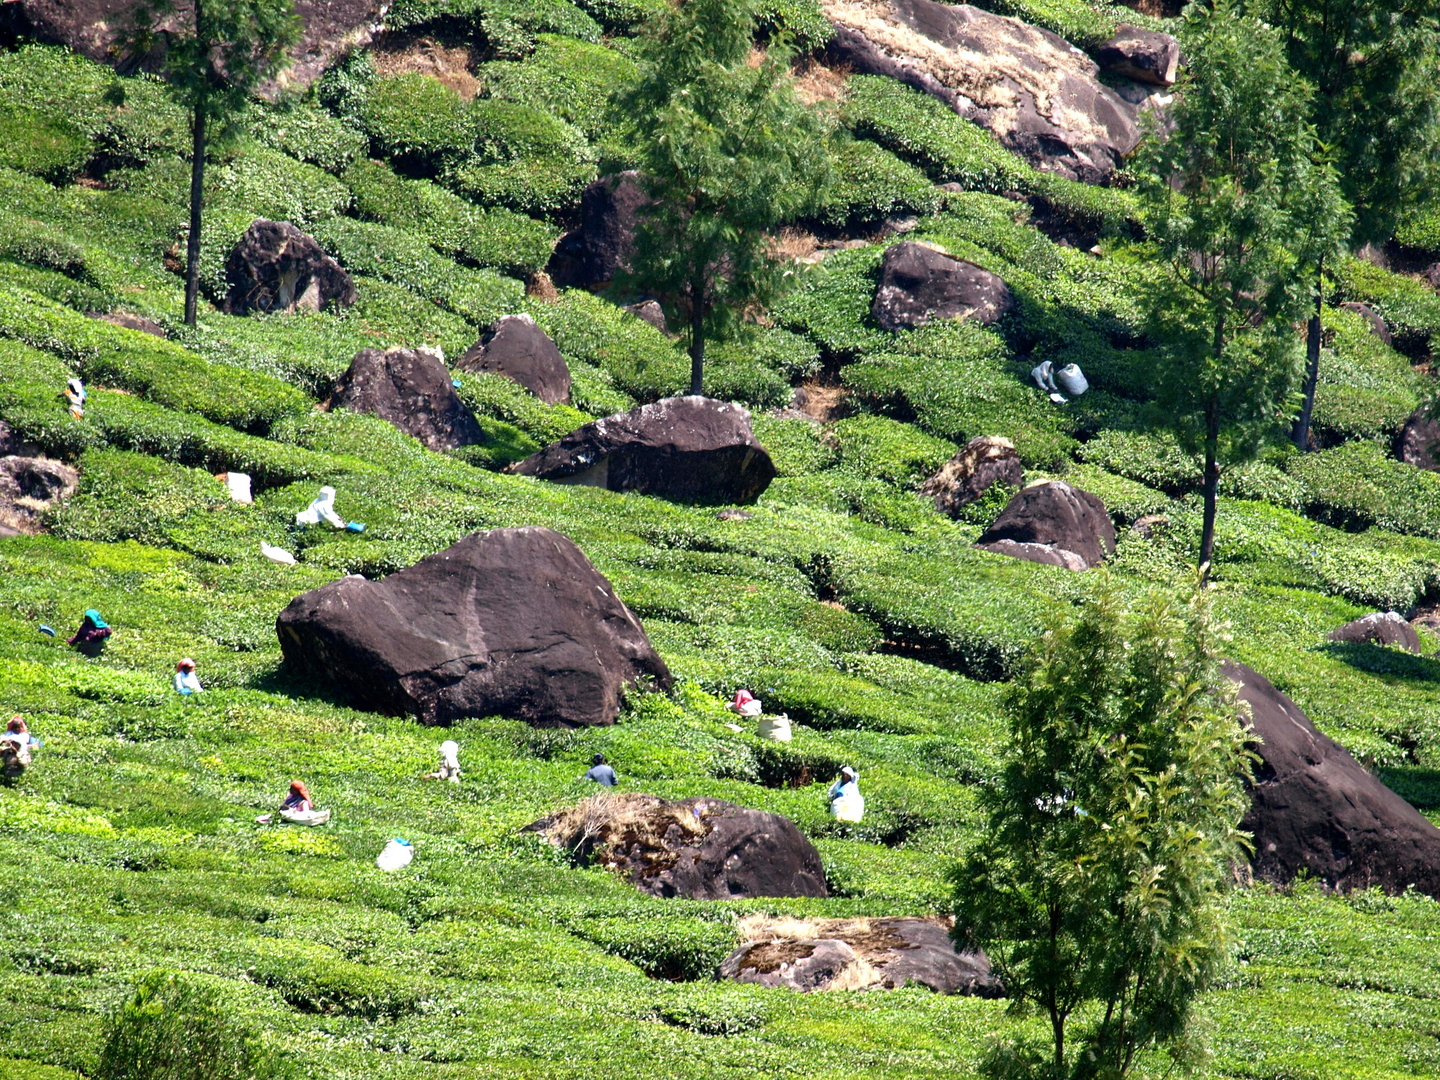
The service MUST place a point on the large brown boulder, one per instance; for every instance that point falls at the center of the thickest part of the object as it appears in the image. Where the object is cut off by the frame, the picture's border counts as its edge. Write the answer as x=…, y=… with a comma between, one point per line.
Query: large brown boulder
x=1420, y=440
x=510, y=622
x=95, y=27
x=411, y=389
x=600, y=248
x=690, y=449
x=703, y=849
x=1380, y=628
x=518, y=349
x=857, y=954
x=1314, y=808
x=919, y=285
x=1040, y=95
x=983, y=461
x=276, y=267
x=1054, y=523
x=28, y=487
x=1146, y=56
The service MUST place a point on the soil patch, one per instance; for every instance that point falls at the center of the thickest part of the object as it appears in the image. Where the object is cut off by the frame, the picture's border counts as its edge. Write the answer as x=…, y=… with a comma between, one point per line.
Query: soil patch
x=451, y=61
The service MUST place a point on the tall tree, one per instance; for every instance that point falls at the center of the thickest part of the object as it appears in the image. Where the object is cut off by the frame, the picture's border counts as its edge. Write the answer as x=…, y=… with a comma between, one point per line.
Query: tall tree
x=1111, y=834
x=216, y=53
x=727, y=152
x=1234, y=197
x=1371, y=64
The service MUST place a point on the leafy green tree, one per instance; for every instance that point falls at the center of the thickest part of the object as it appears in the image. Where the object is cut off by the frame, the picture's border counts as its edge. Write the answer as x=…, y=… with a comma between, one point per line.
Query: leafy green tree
x=1238, y=200
x=216, y=53
x=727, y=152
x=1371, y=64
x=1113, y=831
x=175, y=1027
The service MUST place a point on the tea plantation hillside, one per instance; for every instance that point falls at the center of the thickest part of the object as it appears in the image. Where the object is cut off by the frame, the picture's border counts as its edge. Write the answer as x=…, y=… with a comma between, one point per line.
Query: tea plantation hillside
x=440, y=167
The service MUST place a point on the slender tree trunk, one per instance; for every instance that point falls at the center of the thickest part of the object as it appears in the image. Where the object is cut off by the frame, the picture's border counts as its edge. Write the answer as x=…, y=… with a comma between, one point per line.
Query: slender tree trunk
x=1212, y=486
x=1301, y=432
x=697, y=337
x=197, y=198
x=1057, y=1018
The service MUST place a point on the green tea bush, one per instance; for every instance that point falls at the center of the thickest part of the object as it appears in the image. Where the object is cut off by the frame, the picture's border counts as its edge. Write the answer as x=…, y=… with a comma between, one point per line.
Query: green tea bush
x=56, y=286
x=950, y=149
x=1078, y=21
x=1366, y=390
x=31, y=402
x=493, y=237
x=128, y=121
x=268, y=184
x=127, y=496
x=622, y=16
x=509, y=26
x=803, y=21
x=872, y=184
x=179, y=1026
x=885, y=449
x=315, y=980
x=525, y=159
x=573, y=80
x=393, y=315
x=593, y=391
x=303, y=131
x=419, y=121
x=1419, y=228
x=734, y=371
x=676, y=948
x=831, y=304
x=639, y=359
x=344, y=89
x=478, y=296
x=153, y=367
x=504, y=399
x=1410, y=306
x=795, y=446
x=1358, y=485
x=48, y=147
x=955, y=382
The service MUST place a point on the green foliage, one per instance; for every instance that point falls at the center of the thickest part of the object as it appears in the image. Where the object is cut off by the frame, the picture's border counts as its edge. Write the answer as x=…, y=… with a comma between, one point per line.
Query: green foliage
x=478, y=296
x=728, y=153
x=1111, y=834
x=952, y=150
x=417, y=120
x=180, y=1027
x=1378, y=119
x=153, y=367
x=509, y=26
x=1358, y=485
x=637, y=358
x=572, y=80
x=266, y=183
x=504, y=399
x=872, y=184
x=51, y=148
x=303, y=131
x=1081, y=22
x=1410, y=307
x=878, y=447
x=525, y=158
x=802, y=21
x=1239, y=209
x=452, y=226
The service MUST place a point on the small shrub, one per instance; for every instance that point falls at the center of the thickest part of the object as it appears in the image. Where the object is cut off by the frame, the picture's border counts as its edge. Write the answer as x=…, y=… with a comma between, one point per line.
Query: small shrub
x=872, y=184
x=572, y=80
x=1410, y=307
x=181, y=1027
x=451, y=225
x=312, y=135
x=504, y=399
x=268, y=184
x=878, y=447
x=419, y=121
x=42, y=145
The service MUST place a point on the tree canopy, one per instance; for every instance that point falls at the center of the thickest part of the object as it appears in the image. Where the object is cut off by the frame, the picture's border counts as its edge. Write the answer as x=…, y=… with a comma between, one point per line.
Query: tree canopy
x=727, y=152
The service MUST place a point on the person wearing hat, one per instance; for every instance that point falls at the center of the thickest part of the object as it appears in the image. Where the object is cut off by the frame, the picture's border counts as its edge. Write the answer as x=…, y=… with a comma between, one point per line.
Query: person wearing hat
x=186, y=681
x=746, y=703
x=15, y=747
x=299, y=797
x=75, y=397
x=449, y=763
x=601, y=772
x=90, y=638
x=846, y=802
